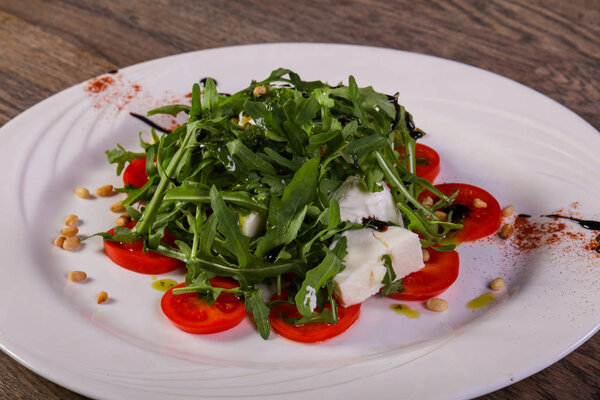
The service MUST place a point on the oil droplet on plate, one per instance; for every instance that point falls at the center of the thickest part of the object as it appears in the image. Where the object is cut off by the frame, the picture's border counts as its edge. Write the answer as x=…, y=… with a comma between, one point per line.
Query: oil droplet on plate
x=405, y=310
x=482, y=301
x=164, y=284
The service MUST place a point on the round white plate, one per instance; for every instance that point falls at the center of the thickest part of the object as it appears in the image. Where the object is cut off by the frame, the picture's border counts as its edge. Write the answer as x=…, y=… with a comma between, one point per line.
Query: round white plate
x=521, y=146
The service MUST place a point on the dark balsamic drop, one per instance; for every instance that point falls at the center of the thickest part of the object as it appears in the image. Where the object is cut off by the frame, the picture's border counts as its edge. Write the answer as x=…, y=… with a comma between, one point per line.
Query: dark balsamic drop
x=585, y=223
x=203, y=81
x=524, y=216
x=417, y=134
x=394, y=101
x=113, y=71
x=409, y=123
x=598, y=238
x=459, y=212
x=374, y=223
x=149, y=122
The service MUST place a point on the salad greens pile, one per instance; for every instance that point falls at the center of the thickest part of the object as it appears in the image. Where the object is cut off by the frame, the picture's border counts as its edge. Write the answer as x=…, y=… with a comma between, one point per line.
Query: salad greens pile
x=277, y=149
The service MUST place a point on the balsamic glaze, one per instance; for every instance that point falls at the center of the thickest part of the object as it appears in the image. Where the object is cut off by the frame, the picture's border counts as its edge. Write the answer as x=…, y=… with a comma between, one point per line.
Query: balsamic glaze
x=374, y=223
x=523, y=215
x=598, y=238
x=585, y=223
x=113, y=71
x=150, y=123
x=394, y=101
x=417, y=134
x=409, y=122
x=459, y=212
x=203, y=81
x=598, y=249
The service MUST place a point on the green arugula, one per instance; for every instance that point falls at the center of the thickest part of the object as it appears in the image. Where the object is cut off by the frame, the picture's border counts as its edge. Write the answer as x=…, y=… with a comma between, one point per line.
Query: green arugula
x=297, y=143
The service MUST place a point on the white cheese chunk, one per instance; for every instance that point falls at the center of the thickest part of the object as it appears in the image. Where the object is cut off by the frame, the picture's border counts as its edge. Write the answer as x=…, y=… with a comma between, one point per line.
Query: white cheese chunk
x=364, y=269
x=356, y=204
x=252, y=223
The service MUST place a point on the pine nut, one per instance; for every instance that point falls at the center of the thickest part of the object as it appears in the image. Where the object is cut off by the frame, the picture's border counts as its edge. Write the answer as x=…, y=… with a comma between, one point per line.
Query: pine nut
x=508, y=211
x=478, y=203
x=507, y=231
x=72, y=220
x=436, y=304
x=121, y=221
x=441, y=215
x=259, y=91
x=82, y=192
x=102, y=297
x=105, y=191
x=71, y=243
x=59, y=241
x=77, y=276
x=427, y=201
x=69, y=231
x=497, y=284
x=426, y=255
x=117, y=207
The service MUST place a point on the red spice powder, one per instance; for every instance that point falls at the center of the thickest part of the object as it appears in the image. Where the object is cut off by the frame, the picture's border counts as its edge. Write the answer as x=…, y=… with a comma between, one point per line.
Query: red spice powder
x=115, y=90
x=99, y=84
x=530, y=235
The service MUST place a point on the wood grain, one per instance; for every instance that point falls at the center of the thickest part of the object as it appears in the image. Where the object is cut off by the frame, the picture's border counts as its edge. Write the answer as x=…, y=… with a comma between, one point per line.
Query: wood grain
x=552, y=46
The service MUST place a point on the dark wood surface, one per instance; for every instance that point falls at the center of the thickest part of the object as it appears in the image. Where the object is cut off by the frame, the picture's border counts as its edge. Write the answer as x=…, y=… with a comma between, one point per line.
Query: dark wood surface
x=552, y=46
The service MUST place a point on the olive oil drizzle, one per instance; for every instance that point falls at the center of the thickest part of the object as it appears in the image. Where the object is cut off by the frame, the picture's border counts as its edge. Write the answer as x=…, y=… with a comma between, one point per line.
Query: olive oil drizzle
x=405, y=310
x=163, y=284
x=481, y=301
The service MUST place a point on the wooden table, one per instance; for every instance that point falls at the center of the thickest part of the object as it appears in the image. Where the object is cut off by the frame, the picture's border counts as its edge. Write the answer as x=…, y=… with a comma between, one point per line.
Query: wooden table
x=552, y=46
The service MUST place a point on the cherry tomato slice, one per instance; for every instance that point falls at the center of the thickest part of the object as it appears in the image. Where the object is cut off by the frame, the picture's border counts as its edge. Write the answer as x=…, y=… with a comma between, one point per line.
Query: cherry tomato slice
x=132, y=257
x=311, y=333
x=135, y=173
x=477, y=222
x=438, y=274
x=428, y=161
x=191, y=314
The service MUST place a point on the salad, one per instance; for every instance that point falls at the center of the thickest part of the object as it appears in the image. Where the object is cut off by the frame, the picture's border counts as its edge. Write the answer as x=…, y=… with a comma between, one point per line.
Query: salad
x=291, y=201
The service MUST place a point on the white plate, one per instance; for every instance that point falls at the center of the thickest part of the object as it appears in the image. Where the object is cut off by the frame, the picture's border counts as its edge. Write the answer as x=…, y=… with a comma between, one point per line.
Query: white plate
x=521, y=146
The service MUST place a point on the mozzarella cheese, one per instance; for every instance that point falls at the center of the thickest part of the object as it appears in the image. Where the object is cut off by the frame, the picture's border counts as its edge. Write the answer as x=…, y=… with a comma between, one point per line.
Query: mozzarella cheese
x=365, y=270
x=252, y=223
x=356, y=204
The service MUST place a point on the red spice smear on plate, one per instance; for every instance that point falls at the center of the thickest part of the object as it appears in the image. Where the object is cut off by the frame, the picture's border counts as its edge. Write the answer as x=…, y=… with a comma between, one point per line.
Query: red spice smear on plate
x=114, y=90
x=531, y=234
x=99, y=84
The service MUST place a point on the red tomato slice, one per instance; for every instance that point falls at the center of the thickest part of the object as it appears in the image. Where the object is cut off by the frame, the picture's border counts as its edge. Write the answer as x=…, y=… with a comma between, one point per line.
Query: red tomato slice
x=478, y=222
x=311, y=333
x=135, y=173
x=438, y=274
x=132, y=257
x=191, y=314
x=428, y=161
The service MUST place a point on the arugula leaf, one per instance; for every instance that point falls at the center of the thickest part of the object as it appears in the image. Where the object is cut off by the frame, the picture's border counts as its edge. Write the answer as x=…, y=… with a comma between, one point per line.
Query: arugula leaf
x=287, y=213
x=319, y=275
x=260, y=311
x=120, y=156
x=171, y=109
x=228, y=225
